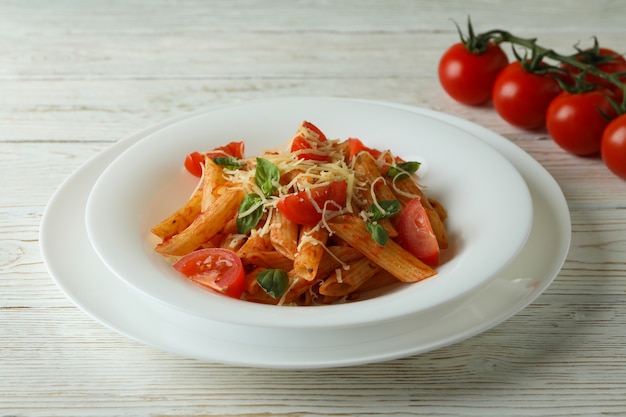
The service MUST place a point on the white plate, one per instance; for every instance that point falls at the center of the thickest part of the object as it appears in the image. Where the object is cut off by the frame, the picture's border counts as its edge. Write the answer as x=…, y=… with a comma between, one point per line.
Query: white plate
x=488, y=203
x=86, y=281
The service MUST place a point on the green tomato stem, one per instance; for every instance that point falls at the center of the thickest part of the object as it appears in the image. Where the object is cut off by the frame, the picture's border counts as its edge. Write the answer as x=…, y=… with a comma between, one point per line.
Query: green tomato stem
x=539, y=52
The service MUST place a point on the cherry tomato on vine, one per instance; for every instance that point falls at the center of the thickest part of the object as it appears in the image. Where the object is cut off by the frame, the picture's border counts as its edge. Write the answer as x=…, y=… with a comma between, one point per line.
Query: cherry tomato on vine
x=521, y=97
x=604, y=59
x=613, y=146
x=218, y=269
x=576, y=120
x=468, y=76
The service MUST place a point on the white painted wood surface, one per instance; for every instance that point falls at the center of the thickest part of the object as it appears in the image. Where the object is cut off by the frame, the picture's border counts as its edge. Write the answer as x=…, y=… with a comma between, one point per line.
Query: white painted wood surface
x=76, y=76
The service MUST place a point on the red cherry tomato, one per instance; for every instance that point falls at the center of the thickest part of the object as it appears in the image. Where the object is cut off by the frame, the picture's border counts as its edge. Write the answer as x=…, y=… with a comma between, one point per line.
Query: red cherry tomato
x=304, y=209
x=357, y=146
x=218, y=269
x=605, y=60
x=522, y=98
x=308, y=136
x=299, y=143
x=468, y=77
x=415, y=234
x=232, y=149
x=576, y=121
x=613, y=146
x=194, y=162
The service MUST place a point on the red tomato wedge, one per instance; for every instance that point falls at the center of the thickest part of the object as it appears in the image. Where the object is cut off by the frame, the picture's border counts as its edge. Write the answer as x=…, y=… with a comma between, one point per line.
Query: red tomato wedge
x=306, y=207
x=218, y=269
x=299, y=143
x=234, y=149
x=308, y=136
x=357, y=146
x=416, y=235
x=195, y=160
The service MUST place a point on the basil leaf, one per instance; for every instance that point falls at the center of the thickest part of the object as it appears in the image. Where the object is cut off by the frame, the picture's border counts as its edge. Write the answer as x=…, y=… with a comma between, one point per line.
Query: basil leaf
x=249, y=221
x=402, y=170
x=273, y=281
x=228, y=163
x=266, y=175
x=379, y=234
x=390, y=207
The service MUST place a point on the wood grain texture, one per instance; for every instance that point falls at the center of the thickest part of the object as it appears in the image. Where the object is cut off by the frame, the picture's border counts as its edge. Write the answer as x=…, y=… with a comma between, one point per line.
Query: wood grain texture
x=76, y=76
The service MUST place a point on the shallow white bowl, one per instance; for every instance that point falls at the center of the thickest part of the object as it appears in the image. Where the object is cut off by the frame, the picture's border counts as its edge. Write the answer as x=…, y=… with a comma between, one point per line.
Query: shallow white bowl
x=488, y=202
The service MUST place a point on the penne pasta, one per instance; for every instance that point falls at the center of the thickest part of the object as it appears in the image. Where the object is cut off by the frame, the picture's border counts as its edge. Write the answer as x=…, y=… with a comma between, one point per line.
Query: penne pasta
x=367, y=172
x=205, y=226
x=310, y=251
x=284, y=235
x=343, y=282
x=391, y=257
x=181, y=218
x=335, y=257
x=268, y=259
x=211, y=179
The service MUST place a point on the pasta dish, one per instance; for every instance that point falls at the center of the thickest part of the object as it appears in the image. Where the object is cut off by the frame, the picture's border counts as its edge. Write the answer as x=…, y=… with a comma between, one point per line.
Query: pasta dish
x=316, y=221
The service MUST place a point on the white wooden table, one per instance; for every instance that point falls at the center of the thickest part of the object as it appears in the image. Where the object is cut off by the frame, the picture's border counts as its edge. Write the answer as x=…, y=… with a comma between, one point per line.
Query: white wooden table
x=76, y=76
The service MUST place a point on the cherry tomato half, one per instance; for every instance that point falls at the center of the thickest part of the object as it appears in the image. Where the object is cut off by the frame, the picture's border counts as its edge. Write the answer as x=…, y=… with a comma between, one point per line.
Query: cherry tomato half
x=468, y=77
x=194, y=162
x=613, y=146
x=357, y=146
x=218, y=269
x=304, y=209
x=232, y=149
x=522, y=98
x=308, y=136
x=576, y=121
x=415, y=234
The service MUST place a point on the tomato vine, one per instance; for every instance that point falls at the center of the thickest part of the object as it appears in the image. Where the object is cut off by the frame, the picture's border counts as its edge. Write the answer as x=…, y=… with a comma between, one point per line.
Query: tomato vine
x=536, y=62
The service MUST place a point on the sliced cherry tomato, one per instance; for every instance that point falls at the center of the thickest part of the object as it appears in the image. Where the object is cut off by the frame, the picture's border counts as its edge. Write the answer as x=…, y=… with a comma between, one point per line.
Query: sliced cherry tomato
x=357, y=146
x=309, y=129
x=303, y=208
x=521, y=97
x=468, y=76
x=415, y=234
x=613, y=146
x=233, y=149
x=576, y=121
x=299, y=143
x=194, y=162
x=218, y=269
x=308, y=136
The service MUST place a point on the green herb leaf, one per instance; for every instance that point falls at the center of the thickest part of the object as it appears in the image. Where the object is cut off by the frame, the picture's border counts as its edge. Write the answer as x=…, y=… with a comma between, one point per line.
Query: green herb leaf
x=402, y=170
x=247, y=222
x=267, y=174
x=228, y=163
x=390, y=207
x=273, y=281
x=379, y=234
